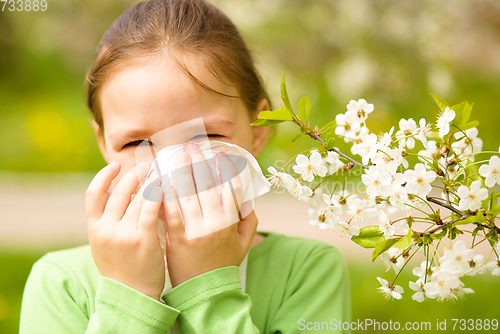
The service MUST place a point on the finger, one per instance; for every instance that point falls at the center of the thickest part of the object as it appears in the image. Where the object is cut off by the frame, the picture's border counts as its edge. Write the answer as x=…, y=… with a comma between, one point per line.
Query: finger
x=96, y=197
x=247, y=228
x=121, y=196
x=173, y=216
x=148, y=219
x=232, y=192
x=185, y=188
x=208, y=194
x=143, y=195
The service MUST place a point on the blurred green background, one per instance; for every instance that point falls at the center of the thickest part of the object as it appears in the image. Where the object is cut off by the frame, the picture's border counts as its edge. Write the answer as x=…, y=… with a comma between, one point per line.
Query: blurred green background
x=392, y=53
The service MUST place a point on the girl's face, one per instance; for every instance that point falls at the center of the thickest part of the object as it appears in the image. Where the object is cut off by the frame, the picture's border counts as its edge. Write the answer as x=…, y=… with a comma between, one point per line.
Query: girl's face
x=151, y=95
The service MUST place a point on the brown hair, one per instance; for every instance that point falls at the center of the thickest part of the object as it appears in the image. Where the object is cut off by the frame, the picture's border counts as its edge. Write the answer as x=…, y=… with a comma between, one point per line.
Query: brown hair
x=192, y=26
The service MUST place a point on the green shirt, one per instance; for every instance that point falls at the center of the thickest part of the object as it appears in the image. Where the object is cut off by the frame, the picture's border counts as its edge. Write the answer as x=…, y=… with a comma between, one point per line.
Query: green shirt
x=292, y=284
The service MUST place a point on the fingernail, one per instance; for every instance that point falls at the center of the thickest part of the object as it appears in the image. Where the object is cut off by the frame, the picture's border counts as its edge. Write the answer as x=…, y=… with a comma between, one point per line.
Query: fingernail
x=143, y=164
x=184, y=158
x=114, y=164
x=192, y=146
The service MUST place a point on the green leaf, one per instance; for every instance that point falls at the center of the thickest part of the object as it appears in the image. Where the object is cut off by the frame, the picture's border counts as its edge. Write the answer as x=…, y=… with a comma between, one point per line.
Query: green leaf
x=330, y=142
x=493, y=199
x=264, y=113
x=329, y=127
x=462, y=114
x=369, y=236
x=440, y=102
x=470, y=125
x=440, y=235
x=304, y=108
x=284, y=95
x=404, y=241
x=383, y=246
x=470, y=220
x=294, y=139
x=472, y=173
x=277, y=115
x=265, y=122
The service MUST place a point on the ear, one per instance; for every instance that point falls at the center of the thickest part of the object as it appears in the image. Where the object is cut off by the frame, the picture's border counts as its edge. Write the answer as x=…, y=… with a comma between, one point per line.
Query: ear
x=260, y=133
x=100, y=140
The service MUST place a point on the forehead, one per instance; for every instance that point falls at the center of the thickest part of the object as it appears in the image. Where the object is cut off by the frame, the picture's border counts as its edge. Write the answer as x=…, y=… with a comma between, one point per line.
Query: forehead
x=151, y=94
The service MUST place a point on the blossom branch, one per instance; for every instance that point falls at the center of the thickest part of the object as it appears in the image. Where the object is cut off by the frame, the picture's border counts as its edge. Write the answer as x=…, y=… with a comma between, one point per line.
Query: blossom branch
x=334, y=149
x=447, y=206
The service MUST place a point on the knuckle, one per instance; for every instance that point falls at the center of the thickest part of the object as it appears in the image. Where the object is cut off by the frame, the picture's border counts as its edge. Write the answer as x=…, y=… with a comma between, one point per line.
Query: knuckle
x=212, y=191
x=118, y=192
x=90, y=193
x=189, y=200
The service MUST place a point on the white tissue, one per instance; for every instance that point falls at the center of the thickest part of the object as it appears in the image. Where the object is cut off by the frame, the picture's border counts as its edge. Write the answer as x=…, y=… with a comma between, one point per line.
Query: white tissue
x=253, y=182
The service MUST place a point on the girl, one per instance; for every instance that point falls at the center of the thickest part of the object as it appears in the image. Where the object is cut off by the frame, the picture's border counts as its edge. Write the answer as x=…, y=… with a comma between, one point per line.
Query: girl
x=161, y=63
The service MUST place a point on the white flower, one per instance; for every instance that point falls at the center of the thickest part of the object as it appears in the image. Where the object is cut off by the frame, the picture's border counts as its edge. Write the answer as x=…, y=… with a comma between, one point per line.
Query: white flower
x=332, y=162
x=494, y=267
x=393, y=258
x=408, y=128
x=295, y=188
x=308, y=167
x=385, y=225
x=306, y=195
x=491, y=171
x=359, y=210
x=276, y=177
x=431, y=153
x=418, y=180
x=469, y=143
x=423, y=132
x=314, y=220
x=476, y=265
x=385, y=140
x=365, y=146
x=344, y=229
x=377, y=182
x=322, y=219
x=347, y=126
x=417, y=286
x=457, y=259
x=332, y=204
x=390, y=290
x=398, y=196
x=442, y=285
x=390, y=158
x=470, y=199
x=443, y=121
x=359, y=110
x=424, y=271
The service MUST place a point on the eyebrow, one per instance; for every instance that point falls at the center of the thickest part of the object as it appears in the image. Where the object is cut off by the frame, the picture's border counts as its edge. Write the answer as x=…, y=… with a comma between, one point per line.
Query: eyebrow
x=143, y=134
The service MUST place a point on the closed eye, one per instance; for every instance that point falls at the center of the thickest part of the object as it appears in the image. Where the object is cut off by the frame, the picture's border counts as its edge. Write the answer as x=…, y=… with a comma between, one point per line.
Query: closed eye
x=147, y=142
x=208, y=135
x=138, y=143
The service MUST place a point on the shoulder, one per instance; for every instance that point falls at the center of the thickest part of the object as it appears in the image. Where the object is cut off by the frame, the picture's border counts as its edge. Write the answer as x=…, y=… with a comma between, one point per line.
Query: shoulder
x=301, y=258
x=279, y=246
x=75, y=264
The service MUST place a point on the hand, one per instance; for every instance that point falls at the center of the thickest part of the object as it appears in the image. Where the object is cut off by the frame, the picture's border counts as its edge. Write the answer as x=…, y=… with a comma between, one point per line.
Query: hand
x=123, y=231
x=197, y=209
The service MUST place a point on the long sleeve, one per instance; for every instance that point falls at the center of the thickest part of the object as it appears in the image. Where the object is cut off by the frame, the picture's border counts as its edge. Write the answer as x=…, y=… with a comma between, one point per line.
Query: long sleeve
x=213, y=303
x=316, y=297
x=53, y=302
x=302, y=289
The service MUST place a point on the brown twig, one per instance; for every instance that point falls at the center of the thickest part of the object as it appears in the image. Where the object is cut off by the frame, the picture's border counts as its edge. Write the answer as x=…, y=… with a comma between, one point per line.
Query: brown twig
x=334, y=149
